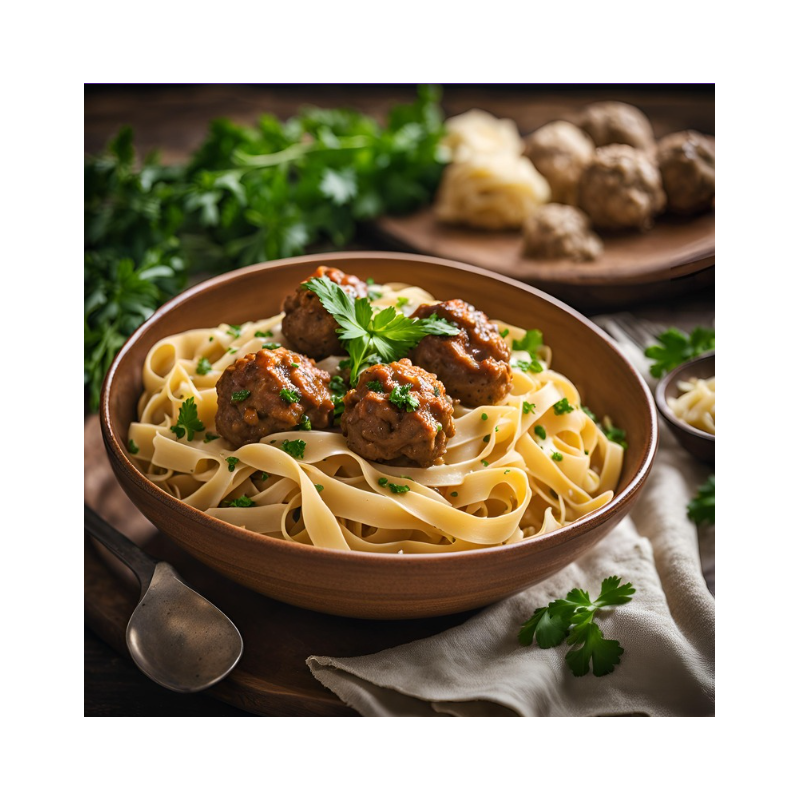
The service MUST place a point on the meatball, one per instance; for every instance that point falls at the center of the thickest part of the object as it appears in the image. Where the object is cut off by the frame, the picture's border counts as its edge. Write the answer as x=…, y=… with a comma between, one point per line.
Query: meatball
x=269, y=391
x=621, y=189
x=617, y=123
x=556, y=231
x=560, y=151
x=686, y=161
x=398, y=413
x=307, y=326
x=473, y=364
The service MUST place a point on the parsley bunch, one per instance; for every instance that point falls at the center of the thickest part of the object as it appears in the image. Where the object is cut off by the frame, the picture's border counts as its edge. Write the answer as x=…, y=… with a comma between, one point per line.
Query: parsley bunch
x=248, y=194
x=675, y=348
x=573, y=619
x=371, y=336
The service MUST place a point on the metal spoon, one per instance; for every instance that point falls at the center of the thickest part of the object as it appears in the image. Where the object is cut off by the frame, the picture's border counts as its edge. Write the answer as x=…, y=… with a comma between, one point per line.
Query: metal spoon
x=175, y=636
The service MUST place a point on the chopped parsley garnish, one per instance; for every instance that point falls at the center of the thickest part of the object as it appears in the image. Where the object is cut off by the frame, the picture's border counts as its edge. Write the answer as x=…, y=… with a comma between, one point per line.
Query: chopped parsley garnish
x=484, y=416
x=338, y=390
x=487, y=437
x=557, y=456
x=540, y=432
x=504, y=332
x=294, y=364
x=615, y=435
x=366, y=333
x=453, y=494
x=132, y=448
x=232, y=462
x=264, y=476
x=235, y=331
x=305, y=424
x=237, y=397
x=402, y=301
x=289, y=396
x=401, y=396
x=399, y=489
x=505, y=472
x=203, y=366
x=562, y=407
x=675, y=347
x=296, y=448
x=589, y=413
x=573, y=619
x=210, y=437
x=271, y=346
x=438, y=427
x=370, y=281
x=241, y=502
x=383, y=481
x=262, y=334
x=188, y=422
x=529, y=366
x=231, y=350
x=527, y=407
x=701, y=508
x=210, y=338
x=436, y=391
x=319, y=487
x=375, y=386
x=484, y=462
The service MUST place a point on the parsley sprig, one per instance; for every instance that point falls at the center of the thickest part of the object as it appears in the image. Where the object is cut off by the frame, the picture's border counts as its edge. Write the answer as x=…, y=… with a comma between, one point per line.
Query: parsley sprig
x=675, y=348
x=188, y=422
x=373, y=336
x=572, y=618
x=701, y=508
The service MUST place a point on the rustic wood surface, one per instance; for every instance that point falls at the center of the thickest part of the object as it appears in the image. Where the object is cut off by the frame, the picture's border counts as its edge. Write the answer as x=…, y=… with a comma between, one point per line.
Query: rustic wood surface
x=173, y=119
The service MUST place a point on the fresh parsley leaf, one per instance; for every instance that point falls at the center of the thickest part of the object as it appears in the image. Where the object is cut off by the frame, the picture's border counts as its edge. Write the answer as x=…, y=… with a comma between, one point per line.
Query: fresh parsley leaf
x=264, y=476
x=540, y=432
x=375, y=386
x=296, y=448
x=271, y=346
x=484, y=462
x=530, y=342
x=237, y=397
x=562, y=407
x=556, y=456
x=399, y=489
x=675, y=348
x=402, y=301
x=262, y=334
x=701, y=508
x=210, y=437
x=203, y=366
x=132, y=448
x=589, y=413
x=615, y=435
x=289, y=396
x=401, y=397
x=235, y=331
x=338, y=390
x=504, y=332
x=369, y=335
x=529, y=366
x=241, y=502
x=188, y=422
x=453, y=494
x=527, y=407
x=305, y=423
x=573, y=618
x=232, y=462
x=383, y=481
x=484, y=416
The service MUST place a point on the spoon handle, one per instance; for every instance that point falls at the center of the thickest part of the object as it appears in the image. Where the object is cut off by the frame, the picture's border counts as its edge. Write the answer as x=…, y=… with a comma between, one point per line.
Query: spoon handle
x=121, y=546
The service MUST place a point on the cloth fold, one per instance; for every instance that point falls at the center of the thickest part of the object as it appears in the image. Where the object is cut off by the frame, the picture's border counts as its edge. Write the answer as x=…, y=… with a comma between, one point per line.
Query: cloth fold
x=667, y=630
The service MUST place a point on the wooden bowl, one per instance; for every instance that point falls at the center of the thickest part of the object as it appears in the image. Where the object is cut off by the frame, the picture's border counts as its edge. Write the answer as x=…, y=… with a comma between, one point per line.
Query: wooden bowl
x=370, y=585
x=699, y=443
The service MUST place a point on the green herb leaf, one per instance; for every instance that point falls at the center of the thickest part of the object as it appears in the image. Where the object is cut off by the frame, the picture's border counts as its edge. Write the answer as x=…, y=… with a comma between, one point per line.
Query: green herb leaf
x=615, y=435
x=305, y=423
x=701, y=508
x=540, y=432
x=232, y=462
x=132, y=448
x=203, y=366
x=296, y=448
x=210, y=437
x=675, y=348
x=188, y=422
x=271, y=346
x=527, y=407
x=556, y=456
x=401, y=397
x=375, y=386
x=262, y=334
x=289, y=396
x=241, y=502
x=238, y=397
x=399, y=489
x=562, y=407
x=235, y=331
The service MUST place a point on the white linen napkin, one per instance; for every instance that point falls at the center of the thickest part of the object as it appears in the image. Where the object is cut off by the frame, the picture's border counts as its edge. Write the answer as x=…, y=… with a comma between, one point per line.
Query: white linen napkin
x=667, y=630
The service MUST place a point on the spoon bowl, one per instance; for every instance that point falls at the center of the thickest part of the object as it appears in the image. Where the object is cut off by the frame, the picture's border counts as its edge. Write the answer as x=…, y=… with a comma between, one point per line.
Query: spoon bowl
x=178, y=638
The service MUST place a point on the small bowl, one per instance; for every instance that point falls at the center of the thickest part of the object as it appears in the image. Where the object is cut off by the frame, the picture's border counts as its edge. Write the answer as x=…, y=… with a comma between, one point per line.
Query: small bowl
x=699, y=443
x=378, y=585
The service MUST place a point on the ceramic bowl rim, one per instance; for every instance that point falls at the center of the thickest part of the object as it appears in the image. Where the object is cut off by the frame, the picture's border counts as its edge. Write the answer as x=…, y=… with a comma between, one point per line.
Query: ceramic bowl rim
x=195, y=517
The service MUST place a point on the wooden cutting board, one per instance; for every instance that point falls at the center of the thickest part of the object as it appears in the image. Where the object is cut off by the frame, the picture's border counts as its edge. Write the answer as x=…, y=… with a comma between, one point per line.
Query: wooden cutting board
x=272, y=677
x=675, y=257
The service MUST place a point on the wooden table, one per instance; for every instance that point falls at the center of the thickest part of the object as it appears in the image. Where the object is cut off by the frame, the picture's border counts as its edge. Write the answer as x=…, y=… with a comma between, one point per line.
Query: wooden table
x=173, y=119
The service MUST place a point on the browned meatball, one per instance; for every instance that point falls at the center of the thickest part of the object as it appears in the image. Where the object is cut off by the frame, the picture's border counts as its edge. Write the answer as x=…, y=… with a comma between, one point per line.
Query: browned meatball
x=617, y=123
x=686, y=161
x=473, y=364
x=307, y=326
x=558, y=231
x=269, y=391
x=621, y=188
x=399, y=413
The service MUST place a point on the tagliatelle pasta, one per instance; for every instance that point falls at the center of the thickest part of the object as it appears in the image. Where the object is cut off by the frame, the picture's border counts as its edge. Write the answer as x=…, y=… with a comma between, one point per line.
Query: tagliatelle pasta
x=696, y=404
x=513, y=470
